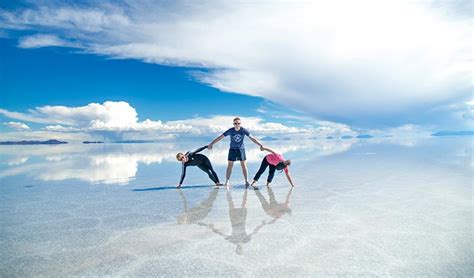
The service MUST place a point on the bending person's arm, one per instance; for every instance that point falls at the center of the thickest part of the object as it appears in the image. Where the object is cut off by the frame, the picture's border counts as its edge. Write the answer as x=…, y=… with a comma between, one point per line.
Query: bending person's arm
x=215, y=141
x=183, y=175
x=267, y=149
x=289, y=178
x=198, y=150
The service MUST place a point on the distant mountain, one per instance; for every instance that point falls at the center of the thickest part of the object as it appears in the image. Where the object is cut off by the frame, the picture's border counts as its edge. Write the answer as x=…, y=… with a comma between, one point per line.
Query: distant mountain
x=454, y=133
x=92, y=142
x=330, y=137
x=25, y=142
x=346, y=137
x=286, y=138
x=364, y=136
x=268, y=138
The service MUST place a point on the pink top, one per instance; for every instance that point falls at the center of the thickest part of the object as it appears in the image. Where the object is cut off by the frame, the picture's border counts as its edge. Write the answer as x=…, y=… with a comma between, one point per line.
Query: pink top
x=274, y=159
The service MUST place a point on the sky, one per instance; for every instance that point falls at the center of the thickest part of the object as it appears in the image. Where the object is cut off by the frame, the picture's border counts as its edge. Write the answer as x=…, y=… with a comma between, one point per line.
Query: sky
x=81, y=70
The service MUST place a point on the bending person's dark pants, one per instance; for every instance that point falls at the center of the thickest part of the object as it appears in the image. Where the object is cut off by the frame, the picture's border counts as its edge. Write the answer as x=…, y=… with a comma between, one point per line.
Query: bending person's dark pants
x=207, y=167
x=263, y=167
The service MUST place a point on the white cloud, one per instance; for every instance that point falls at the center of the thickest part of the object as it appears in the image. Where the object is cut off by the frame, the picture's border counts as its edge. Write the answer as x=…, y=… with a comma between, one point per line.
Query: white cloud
x=345, y=60
x=60, y=128
x=43, y=40
x=91, y=20
x=17, y=125
x=220, y=123
x=31, y=117
x=109, y=116
x=114, y=119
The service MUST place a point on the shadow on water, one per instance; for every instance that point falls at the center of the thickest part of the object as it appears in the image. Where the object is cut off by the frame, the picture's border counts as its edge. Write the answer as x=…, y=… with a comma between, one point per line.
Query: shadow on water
x=171, y=187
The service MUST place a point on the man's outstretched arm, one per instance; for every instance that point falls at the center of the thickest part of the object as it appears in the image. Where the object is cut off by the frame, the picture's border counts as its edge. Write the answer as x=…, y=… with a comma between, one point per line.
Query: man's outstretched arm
x=215, y=141
x=255, y=141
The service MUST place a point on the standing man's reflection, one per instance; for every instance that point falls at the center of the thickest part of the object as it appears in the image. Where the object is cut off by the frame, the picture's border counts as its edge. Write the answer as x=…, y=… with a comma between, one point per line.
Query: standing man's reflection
x=273, y=208
x=238, y=215
x=199, y=212
x=238, y=219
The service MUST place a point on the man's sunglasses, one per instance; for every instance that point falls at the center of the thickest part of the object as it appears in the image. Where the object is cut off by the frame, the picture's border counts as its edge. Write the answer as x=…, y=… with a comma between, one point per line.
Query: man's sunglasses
x=236, y=123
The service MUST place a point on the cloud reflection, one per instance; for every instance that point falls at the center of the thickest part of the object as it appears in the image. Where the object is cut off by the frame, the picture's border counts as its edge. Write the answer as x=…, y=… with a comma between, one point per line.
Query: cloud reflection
x=118, y=163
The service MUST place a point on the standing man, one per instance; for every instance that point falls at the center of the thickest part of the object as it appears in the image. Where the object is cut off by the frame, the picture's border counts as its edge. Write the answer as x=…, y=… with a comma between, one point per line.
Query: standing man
x=237, y=149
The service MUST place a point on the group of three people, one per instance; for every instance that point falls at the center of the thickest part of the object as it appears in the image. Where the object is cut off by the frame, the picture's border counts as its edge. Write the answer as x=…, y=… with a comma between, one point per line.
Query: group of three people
x=273, y=161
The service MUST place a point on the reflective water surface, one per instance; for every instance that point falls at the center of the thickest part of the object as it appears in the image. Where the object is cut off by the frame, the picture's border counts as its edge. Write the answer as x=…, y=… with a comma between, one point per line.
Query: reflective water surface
x=399, y=207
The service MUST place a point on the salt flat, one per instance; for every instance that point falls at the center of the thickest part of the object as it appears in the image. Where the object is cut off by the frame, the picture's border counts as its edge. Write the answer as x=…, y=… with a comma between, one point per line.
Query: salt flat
x=376, y=207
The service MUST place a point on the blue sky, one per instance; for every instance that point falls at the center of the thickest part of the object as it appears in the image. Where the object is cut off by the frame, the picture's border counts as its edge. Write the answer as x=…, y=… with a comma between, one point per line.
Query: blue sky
x=61, y=76
x=142, y=69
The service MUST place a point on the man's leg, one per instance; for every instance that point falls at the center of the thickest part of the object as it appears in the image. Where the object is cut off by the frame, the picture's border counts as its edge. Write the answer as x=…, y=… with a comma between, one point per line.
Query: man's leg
x=244, y=171
x=230, y=164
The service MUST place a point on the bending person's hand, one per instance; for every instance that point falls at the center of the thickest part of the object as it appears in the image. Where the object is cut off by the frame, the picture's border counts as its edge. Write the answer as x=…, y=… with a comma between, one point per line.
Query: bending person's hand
x=209, y=147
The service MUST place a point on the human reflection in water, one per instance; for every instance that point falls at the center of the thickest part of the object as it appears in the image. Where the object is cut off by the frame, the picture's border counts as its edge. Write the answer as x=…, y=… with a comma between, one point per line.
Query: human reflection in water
x=238, y=215
x=199, y=212
x=238, y=219
x=272, y=207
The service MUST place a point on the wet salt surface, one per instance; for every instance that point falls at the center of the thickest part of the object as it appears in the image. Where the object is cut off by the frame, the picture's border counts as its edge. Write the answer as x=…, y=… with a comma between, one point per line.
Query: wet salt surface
x=360, y=208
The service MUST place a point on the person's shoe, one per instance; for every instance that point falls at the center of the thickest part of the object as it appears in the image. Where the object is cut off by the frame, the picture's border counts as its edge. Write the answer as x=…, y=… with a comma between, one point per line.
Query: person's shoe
x=247, y=184
x=254, y=185
x=219, y=184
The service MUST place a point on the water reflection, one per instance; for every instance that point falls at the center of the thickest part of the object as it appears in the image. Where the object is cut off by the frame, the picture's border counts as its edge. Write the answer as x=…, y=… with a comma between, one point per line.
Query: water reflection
x=237, y=214
x=199, y=212
x=111, y=164
x=271, y=207
x=118, y=163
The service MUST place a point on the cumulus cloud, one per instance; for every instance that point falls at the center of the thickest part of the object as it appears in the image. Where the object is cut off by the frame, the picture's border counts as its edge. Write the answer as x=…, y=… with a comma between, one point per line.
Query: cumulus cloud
x=17, y=125
x=114, y=119
x=113, y=116
x=335, y=60
x=218, y=123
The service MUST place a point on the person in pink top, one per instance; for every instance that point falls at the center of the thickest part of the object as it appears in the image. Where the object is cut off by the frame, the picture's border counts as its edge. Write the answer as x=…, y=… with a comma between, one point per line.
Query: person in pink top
x=274, y=161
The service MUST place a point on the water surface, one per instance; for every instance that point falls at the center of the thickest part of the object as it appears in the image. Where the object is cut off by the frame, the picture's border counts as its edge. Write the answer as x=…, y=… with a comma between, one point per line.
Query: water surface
x=399, y=207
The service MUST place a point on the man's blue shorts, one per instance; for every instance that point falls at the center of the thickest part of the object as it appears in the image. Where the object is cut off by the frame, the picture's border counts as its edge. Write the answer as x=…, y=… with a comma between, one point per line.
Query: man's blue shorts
x=236, y=154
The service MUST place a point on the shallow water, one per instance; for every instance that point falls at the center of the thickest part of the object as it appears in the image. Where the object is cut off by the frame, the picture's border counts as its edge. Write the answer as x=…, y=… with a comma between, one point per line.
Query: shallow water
x=399, y=207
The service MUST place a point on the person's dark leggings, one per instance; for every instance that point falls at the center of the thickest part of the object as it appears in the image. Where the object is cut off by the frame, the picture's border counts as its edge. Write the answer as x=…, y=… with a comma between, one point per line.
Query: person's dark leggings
x=207, y=167
x=262, y=169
